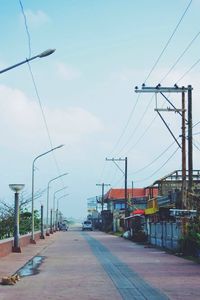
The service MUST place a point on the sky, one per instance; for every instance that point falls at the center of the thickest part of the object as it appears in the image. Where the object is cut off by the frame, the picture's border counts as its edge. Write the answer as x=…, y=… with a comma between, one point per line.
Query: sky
x=83, y=95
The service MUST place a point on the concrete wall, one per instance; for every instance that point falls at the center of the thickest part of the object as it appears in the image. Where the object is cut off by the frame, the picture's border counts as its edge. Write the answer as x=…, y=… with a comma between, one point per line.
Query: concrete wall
x=24, y=240
x=165, y=235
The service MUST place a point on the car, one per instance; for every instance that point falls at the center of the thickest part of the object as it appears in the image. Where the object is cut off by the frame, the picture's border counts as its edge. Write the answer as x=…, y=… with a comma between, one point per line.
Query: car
x=87, y=225
x=63, y=227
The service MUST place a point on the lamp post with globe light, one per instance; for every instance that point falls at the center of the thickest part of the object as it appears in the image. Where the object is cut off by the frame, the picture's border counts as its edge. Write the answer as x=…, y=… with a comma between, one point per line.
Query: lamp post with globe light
x=16, y=188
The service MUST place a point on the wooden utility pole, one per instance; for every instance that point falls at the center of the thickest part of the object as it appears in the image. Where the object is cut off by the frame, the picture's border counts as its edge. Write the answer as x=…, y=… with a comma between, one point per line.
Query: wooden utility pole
x=102, y=193
x=161, y=90
x=190, y=146
x=125, y=173
x=184, y=199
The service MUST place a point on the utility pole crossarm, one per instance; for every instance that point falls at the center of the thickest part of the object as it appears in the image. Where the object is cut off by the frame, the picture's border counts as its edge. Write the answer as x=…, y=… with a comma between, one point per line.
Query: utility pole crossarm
x=159, y=89
x=125, y=178
x=183, y=90
x=114, y=161
x=102, y=193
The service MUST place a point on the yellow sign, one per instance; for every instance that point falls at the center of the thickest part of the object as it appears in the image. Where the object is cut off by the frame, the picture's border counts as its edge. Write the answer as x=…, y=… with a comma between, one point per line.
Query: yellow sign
x=151, y=211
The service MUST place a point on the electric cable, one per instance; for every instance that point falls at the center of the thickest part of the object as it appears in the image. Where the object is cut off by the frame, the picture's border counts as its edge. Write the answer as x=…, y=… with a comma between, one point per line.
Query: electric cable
x=126, y=126
x=196, y=124
x=36, y=89
x=169, y=40
x=186, y=49
x=153, y=161
x=179, y=58
x=43, y=115
x=188, y=71
x=159, y=167
x=136, y=127
x=26, y=27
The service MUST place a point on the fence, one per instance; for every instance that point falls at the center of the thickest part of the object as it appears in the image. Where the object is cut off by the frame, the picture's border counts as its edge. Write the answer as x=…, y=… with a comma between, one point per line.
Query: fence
x=165, y=234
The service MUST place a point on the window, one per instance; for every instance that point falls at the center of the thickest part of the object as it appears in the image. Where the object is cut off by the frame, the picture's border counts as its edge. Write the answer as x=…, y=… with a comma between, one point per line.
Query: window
x=119, y=206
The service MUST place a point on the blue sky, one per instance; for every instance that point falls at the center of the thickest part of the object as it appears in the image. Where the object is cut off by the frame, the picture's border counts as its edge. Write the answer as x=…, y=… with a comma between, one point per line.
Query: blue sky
x=103, y=50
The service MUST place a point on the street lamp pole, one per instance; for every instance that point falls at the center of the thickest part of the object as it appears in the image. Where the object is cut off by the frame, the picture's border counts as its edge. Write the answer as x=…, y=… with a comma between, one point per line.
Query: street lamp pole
x=41, y=55
x=57, y=209
x=47, y=220
x=16, y=188
x=33, y=170
x=54, y=197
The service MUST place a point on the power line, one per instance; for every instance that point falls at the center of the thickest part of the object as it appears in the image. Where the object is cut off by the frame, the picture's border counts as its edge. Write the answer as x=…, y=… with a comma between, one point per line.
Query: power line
x=182, y=54
x=188, y=70
x=159, y=168
x=136, y=127
x=195, y=145
x=34, y=84
x=26, y=27
x=126, y=126
x=143, y=134
x=43, y=115
x=169, y=40
x=196, y=124
x=187, y=48
x=153, y=161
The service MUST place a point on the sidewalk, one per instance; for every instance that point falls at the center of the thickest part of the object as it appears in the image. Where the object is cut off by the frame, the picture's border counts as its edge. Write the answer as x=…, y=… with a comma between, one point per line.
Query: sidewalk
x=177, y=277
x=72, y=271
x=10, y=263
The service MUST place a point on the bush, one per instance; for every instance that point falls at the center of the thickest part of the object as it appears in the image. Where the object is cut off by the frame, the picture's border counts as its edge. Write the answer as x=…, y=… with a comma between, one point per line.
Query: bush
x=190, y=242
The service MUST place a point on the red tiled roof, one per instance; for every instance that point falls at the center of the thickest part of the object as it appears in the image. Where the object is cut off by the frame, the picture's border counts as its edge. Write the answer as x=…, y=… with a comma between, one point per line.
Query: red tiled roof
x=132, y=193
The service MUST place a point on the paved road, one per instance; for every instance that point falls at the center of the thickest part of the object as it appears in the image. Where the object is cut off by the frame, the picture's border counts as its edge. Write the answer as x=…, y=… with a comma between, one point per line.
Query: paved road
x=94, y=265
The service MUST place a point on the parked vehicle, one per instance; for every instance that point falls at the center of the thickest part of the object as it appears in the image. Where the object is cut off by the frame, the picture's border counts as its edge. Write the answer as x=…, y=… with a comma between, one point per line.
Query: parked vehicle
x=63, y=227
x=87, y=225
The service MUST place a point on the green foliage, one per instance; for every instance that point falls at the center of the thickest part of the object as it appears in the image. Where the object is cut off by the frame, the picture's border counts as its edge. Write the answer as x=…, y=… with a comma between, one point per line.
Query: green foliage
x=190, y=242
x=25, y=223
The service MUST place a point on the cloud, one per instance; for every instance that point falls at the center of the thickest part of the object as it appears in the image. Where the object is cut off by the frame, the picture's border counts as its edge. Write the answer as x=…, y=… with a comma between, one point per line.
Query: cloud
x=24, y=127
x=67, y=72
x=36, y=19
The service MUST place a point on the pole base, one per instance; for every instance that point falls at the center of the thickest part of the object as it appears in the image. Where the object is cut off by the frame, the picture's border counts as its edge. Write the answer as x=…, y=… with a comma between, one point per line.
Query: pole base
x=47, y=234
x=32, y=241
x=16, y=249
x=42, y=237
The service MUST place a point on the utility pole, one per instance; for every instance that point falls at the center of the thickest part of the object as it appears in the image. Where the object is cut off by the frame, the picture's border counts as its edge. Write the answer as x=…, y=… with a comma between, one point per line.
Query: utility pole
x=190, y=146
x=125, y=178
x=182, y=90
x=102, y=193
x=184, y=200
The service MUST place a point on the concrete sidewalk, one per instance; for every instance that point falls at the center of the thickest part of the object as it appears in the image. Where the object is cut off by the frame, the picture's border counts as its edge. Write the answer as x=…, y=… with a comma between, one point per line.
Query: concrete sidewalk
x=72, y=271
x=177, y=277
x=10, y=263
x=69, y=271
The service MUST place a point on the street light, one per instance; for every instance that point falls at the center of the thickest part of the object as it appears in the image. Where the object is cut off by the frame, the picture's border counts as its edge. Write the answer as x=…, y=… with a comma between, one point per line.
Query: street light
x=41, y=55
x=54, y=196
x=33, y=169
x=57, y=209
x=16, y=188
x=47, y=220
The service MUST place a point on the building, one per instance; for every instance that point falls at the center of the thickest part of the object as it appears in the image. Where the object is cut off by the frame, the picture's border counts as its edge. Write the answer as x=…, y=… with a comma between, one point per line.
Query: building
x=137, y=199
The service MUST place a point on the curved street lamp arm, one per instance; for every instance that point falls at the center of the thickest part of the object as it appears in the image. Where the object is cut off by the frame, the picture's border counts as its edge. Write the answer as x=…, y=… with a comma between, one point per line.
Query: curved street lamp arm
x=41, y=55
